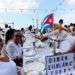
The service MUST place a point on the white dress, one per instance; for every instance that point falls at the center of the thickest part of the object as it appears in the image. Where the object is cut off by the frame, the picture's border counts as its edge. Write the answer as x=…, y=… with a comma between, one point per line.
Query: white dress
x=13, y=50
x=7, y=68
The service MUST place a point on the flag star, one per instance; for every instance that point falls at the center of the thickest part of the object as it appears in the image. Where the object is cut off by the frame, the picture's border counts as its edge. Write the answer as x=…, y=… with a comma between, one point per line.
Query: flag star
x=50, y=20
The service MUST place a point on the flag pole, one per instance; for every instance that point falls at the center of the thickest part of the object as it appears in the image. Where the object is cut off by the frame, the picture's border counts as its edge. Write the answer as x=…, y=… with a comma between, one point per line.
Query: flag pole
x=54, y=49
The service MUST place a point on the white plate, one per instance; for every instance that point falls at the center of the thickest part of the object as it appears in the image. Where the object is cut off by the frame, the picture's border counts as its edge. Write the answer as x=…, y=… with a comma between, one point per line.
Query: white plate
x=29, y=53
x=35, y=66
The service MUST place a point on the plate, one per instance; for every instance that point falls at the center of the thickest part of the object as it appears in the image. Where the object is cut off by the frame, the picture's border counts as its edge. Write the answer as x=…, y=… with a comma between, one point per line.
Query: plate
x=35, y=66
x=29, y=54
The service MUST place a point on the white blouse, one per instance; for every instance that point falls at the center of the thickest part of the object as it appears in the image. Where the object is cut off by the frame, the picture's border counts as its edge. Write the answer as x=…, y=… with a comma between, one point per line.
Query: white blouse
x=8, y=68
x=67, y=43
x=14, y=50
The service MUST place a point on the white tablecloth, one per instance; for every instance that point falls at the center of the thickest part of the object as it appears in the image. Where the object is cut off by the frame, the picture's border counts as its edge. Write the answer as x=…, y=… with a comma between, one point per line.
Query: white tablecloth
x=39, y=57
x=41, y=53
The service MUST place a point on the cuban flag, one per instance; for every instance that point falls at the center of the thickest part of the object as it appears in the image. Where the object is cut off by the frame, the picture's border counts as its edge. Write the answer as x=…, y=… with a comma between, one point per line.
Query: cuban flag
x=47, y=23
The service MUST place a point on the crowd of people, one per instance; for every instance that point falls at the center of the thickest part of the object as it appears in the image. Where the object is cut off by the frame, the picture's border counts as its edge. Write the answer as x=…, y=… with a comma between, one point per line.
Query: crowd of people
x=11, y=44
x=63, y=35
x=11, y=51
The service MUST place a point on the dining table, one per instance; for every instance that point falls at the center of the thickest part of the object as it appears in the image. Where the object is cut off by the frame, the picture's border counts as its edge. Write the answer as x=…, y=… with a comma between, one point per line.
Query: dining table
x=34, y=57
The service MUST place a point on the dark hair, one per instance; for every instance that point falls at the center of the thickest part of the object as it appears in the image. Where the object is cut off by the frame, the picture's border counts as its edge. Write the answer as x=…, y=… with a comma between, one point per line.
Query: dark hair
x=1, y=39
x=30, y=27
x=66, y=26
x=9, y=35
x=10, y=27
x=22, y=29
x=61, y=21
x=6, y=25
x=71, y=24
x=17, y=30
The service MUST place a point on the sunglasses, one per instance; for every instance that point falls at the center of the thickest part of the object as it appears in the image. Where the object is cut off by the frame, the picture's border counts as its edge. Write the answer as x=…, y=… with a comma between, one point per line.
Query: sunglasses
x=18, y=36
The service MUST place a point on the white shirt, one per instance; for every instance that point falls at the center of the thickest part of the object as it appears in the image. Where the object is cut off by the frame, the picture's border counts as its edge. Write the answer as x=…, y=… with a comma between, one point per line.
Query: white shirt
x=14, y=50
x=71, y=39
x=59, y=35
x=67, y=43
x=8, y=68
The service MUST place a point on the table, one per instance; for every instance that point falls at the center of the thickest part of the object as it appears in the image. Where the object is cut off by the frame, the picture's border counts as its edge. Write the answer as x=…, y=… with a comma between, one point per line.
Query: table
x=39, y=58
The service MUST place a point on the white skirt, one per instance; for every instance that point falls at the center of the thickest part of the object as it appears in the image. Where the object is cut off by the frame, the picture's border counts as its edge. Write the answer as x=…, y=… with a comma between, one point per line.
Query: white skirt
x=8, y=68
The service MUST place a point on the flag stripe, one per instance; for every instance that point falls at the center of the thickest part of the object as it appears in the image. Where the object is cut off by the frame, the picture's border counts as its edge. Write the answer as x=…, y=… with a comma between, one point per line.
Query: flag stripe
x=45, y=27
x=47, y=22
x=45, y=19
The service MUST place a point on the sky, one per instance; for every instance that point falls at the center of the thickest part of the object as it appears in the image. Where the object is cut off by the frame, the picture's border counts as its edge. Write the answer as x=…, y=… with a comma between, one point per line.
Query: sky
x=31, y=12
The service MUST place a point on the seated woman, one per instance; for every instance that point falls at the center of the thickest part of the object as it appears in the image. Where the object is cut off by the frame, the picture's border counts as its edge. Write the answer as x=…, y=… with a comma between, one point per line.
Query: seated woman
x=13, y=47
x=7, y=66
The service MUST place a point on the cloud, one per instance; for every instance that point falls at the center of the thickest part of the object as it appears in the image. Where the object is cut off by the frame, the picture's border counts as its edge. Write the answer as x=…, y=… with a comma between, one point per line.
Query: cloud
x=19, y=4
x=71, y=2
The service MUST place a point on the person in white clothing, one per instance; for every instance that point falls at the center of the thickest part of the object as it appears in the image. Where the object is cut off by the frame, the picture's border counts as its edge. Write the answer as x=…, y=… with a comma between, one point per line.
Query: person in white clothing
x=13, y=47
x=68, y=44
x=7, y=66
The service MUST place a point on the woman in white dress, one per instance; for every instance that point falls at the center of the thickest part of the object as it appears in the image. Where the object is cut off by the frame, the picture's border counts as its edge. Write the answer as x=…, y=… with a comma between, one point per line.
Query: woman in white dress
x=7, y=66
x=13, y=46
